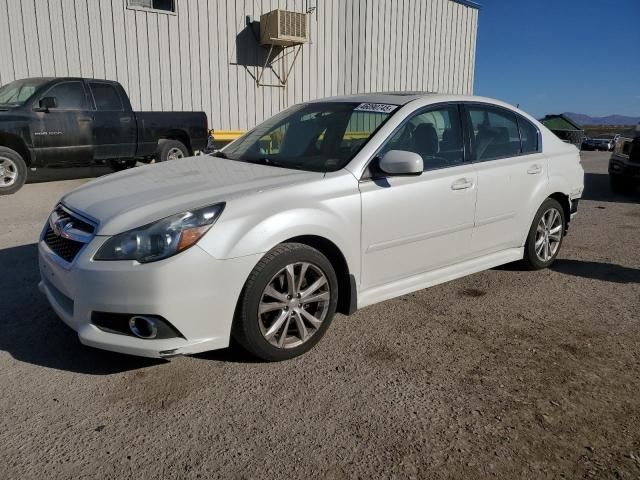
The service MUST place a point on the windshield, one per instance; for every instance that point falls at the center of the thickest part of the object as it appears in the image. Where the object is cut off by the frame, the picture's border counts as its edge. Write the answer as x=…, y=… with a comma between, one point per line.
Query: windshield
x=18, y=92
x=316, y=136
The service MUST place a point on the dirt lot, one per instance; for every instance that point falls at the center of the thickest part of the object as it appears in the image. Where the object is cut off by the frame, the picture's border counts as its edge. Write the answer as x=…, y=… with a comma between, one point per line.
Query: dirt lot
x=506, y=373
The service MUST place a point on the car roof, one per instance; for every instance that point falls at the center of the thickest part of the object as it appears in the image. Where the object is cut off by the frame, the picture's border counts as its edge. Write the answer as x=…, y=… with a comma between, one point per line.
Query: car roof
x=66, y=79
x=403, y=98
x=391, y=98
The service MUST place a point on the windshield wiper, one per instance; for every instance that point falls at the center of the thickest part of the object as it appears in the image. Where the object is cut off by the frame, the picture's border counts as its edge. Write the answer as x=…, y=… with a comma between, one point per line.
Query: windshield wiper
x=219, y=154
x=268, y=161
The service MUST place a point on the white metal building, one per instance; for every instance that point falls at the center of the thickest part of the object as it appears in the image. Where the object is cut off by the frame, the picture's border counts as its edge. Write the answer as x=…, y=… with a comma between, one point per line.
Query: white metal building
x=206, y=55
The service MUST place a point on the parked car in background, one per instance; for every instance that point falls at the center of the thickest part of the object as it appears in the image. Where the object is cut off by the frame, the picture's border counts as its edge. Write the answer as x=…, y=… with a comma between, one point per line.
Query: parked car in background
x=624, y=164
x=62, y=122
x=331, y=205
x=588, y=144
x=604, y=142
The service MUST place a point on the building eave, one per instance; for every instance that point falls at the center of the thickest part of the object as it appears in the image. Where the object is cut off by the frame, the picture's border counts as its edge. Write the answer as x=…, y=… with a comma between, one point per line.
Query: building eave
x=468, y=3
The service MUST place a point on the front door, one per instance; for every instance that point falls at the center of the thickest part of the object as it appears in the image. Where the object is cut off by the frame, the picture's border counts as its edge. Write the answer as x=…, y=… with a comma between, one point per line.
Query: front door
x=414, y=224
x=62, y=136
x=114, y=129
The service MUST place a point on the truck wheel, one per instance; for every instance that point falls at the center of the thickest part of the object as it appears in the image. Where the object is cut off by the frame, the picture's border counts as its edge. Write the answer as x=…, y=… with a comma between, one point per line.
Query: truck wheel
x=171, y=150
x=13, y=171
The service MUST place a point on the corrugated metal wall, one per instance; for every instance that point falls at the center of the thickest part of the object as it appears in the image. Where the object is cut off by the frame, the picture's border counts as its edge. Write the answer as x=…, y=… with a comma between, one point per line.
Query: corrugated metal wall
x=204, y=57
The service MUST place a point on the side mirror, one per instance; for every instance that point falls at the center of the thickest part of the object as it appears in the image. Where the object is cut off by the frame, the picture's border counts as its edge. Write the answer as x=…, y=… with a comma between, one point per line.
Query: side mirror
x=401, y=162
x=46, y=103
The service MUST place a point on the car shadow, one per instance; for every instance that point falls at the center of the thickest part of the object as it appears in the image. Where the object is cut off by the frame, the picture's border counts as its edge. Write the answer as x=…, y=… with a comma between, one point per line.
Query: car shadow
x=608, y=272
x=234, y=354
x=596, y=188
x=32, y=333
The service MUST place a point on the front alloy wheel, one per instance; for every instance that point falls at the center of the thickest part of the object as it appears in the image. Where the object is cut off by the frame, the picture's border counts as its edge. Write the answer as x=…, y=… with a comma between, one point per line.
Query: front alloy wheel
x=287, y=302
x=294, y=304
x=8, y=172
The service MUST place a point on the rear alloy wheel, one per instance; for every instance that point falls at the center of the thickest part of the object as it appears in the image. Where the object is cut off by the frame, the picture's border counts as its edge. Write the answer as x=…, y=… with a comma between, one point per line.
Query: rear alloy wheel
x=549, y=235
x=545, y=236
x=13, y=171
x=287, y=303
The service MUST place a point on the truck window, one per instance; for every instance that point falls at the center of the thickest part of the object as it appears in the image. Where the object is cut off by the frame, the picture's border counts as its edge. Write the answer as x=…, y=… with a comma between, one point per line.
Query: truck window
x=105, y=96
x=68, y=95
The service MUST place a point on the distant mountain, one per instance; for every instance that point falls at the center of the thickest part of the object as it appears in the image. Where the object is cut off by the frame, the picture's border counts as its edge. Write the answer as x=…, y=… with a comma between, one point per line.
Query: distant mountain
x=582, y=119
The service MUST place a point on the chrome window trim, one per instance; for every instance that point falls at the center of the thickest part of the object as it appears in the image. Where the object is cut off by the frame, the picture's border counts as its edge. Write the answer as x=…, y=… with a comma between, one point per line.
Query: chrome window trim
x=517, y=116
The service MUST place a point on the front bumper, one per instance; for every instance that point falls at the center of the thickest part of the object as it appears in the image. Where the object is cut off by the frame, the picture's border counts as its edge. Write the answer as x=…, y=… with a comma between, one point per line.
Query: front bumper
x=193, y=291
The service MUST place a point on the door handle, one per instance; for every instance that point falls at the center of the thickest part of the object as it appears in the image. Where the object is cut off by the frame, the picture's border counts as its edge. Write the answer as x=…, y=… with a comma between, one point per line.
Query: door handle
x=534, y=169
x=125, y=119
x=85, y=119
x=462, y=184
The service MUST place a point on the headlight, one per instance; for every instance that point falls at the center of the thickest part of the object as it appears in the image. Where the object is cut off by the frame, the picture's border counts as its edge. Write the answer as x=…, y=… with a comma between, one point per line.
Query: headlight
x=161, y=239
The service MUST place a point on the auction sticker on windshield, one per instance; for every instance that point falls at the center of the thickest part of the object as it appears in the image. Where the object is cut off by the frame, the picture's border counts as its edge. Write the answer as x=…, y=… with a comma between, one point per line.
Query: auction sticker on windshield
x=375, y=107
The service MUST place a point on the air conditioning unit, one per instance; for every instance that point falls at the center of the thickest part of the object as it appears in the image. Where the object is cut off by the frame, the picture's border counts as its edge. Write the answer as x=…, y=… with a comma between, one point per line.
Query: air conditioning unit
x=284, y=28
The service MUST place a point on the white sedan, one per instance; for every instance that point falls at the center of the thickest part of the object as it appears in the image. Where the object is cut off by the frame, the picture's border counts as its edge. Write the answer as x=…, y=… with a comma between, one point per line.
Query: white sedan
x=327, y=207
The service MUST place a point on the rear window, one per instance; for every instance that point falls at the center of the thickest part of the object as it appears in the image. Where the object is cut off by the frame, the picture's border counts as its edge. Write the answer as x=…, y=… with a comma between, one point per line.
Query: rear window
x=528, y=136
x=495, y=133
x=105, y=96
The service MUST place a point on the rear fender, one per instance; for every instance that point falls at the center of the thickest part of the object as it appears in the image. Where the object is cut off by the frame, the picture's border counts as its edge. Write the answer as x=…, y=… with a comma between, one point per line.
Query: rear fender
x=539, y=195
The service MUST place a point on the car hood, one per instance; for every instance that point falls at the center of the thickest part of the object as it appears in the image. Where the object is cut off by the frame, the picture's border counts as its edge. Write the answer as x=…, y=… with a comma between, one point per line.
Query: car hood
x=136, y=197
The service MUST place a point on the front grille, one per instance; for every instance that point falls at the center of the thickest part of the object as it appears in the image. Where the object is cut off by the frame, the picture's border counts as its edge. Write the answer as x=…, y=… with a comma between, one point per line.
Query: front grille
x=65, y=248
x=72, y=233
x=78, y=223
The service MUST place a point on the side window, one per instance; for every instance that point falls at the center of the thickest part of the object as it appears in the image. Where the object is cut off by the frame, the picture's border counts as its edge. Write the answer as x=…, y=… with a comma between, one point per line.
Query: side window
x=436, y=135
x=495, y=133
x=106, y=97
x=528, y=136
x=69, y=96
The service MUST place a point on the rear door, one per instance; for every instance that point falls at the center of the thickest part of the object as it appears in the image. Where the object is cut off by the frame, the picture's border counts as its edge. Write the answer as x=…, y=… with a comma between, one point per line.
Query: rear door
x=414, y=224
x=511, y=169
x=114, y=129
x=62, y=136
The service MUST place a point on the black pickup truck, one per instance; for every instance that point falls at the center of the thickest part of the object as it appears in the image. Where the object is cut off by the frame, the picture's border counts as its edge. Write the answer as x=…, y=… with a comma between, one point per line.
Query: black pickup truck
x=65, y=122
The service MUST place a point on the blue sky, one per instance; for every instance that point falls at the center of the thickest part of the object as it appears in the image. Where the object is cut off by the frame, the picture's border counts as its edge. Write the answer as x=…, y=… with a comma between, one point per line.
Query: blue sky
x=553, y=56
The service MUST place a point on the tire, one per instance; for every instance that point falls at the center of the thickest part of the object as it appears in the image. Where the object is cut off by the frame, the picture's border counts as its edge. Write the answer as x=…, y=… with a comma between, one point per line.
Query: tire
x=260, y=333
x=13, y=171
x=171, y=150
x=619, y=184
x=119, y=165
x=536, y=258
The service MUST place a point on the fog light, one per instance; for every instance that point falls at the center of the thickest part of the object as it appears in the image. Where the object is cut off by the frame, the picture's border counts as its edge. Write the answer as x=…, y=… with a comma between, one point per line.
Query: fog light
x=140, y=325
x=143, y=327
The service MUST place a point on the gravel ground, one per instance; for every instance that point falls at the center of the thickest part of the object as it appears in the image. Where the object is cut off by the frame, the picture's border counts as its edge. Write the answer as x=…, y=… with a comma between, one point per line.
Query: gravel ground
x=506, y=373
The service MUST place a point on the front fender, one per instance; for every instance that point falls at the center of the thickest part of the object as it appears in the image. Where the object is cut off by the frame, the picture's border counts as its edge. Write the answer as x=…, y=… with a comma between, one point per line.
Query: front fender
x=248, y=228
